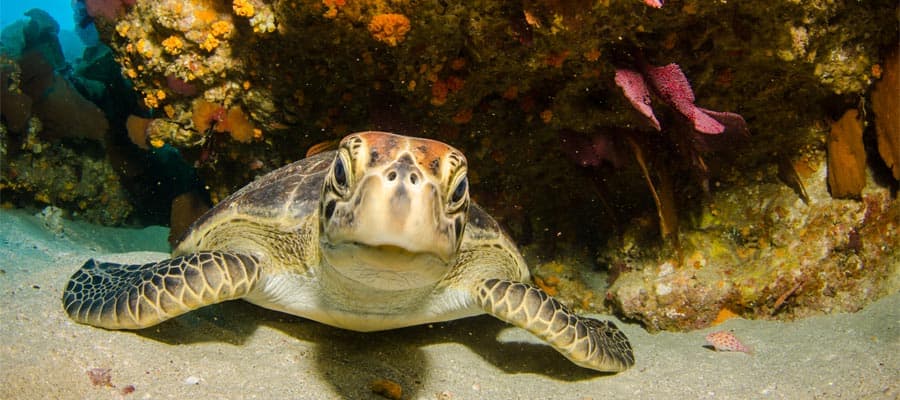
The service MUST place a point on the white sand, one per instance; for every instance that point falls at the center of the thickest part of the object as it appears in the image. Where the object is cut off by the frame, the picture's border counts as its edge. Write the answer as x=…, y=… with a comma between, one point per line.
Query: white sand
x=237, y=350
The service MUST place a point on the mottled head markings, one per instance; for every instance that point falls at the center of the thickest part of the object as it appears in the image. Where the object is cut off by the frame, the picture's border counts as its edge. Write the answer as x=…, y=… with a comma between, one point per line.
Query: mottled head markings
x=396, y=191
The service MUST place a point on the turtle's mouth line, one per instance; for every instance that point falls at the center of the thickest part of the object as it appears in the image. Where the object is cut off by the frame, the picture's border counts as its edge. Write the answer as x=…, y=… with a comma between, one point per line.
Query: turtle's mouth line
x=390, y=248
x=389, y=251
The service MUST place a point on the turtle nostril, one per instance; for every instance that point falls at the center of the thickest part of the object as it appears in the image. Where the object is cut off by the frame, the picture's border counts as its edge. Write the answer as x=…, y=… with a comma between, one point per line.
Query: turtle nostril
x=391, y=176
x=413, y=178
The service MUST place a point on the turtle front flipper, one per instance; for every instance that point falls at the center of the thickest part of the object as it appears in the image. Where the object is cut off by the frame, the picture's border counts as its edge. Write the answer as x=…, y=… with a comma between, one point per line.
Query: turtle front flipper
x=117, y=296
x=587, y=342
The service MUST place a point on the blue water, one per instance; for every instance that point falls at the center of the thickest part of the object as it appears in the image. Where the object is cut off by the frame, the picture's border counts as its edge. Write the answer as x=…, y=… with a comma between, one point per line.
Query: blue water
x=61, y=10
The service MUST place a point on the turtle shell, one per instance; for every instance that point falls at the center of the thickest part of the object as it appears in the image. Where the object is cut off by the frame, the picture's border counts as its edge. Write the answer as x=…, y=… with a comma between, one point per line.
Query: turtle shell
x=285, y=194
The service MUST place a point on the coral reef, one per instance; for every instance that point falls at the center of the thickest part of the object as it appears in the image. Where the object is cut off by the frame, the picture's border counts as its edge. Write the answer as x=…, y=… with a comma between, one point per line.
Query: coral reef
x=87, y=187
x=64, y=143
x=31, y=86
x=41, y=110
x=761, y=252
x=244, y=86
x=487, y=77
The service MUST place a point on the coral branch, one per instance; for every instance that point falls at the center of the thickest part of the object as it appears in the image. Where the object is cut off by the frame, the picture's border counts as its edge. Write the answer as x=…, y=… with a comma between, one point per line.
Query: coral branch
x=635, y=89
x=674, y=88
x=670, y=84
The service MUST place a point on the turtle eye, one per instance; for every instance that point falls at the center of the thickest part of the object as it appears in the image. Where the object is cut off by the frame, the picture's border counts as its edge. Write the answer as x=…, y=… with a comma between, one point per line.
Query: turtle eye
x=340, y=173
x=460, y=191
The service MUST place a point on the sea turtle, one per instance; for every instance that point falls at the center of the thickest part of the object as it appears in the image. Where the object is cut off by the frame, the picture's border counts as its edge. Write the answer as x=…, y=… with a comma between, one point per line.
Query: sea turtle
x=376, y=235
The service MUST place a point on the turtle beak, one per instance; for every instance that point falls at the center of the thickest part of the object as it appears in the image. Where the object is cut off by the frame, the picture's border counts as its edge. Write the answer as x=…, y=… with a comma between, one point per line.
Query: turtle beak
x=401, y=207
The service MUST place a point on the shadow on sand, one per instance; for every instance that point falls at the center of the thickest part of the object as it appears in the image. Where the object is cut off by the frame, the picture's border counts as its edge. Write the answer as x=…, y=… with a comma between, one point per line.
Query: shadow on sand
x=350, y=361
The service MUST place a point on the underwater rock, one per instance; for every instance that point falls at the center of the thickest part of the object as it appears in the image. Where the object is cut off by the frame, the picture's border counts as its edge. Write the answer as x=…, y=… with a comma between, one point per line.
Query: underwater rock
x=52, y=219
x=50, y=97
x=16, y=110
x=87, y=188
x=761, y=252
x=65, y=113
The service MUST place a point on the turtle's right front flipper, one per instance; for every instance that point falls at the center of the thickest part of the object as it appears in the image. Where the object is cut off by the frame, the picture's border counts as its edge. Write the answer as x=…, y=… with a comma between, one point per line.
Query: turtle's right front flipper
x=117, y=296
x=587, y=342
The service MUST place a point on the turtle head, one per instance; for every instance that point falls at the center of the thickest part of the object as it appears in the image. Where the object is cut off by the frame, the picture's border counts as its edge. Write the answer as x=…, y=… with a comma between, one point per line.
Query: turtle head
x=394, y=205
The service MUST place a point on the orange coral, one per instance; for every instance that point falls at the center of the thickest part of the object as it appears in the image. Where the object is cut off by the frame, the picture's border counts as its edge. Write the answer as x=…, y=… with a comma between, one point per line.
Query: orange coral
x=243, y=8
x=172, y=44
x=389, y=28
x=332, y=7
x=169, y=110
x=210, y=43
x=439, y=93
x=455, y=83
x=440, y=89
x=137, y=130
x=122, y=28
x=208, y=115
x=204, y=114
x=548, y=285
x=724, y=314
x=150, y=100
x=221, y=28
x=237, y=124
x=204, y=11
x=547, y=116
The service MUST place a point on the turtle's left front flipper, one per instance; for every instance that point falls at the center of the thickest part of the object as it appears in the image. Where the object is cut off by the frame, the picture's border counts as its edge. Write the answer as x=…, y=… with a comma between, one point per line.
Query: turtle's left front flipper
x=118, y=296
x=587, y=342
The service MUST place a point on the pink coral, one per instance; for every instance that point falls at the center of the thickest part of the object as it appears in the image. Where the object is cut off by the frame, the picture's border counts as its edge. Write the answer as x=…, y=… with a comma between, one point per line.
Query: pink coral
x=670, y=84
x=673, y=87
x=635, y=89
x=108, y=9
x=654, y=3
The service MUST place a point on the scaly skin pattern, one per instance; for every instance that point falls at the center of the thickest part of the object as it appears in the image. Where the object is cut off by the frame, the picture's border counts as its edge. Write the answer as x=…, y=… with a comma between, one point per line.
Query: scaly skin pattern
x=587, y=342
x=116, y=296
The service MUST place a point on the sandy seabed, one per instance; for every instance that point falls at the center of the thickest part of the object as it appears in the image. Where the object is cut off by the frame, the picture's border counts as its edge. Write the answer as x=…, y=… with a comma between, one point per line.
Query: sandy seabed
x=236, y=350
